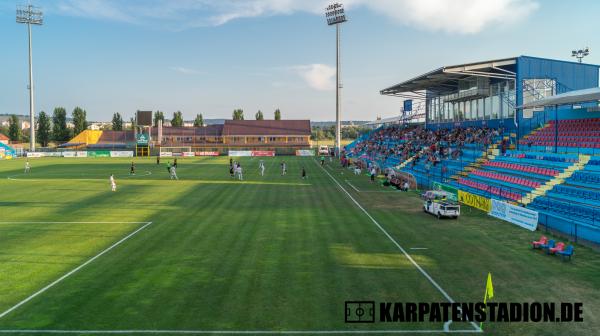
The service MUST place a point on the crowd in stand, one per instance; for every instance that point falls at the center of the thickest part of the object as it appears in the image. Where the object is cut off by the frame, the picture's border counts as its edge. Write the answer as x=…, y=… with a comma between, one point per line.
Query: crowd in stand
x=404, y=142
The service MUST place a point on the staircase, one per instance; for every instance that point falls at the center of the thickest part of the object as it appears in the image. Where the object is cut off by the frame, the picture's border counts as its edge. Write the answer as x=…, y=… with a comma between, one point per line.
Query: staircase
x=407, y=161
x=486, y=156
x=558, y=179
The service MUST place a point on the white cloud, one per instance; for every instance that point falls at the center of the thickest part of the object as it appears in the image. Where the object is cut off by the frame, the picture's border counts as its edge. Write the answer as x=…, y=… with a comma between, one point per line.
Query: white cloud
x=320, y=77
x=452, y=16
x=186, y=71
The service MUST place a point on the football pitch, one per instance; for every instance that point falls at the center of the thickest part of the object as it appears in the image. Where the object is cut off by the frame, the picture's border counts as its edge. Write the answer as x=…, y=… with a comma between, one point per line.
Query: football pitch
x=208, y=254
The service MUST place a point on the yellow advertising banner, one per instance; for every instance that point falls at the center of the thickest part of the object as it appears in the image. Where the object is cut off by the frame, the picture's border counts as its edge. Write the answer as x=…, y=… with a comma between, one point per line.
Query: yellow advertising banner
x=475, y=201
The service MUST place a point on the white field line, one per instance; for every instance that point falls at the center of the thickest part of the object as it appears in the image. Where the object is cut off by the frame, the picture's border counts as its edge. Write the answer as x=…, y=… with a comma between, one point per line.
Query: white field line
x=418, y=248
x=68, y=177
x=433, y=282
x=52, y=284
x=353, y=187
x=235, y=332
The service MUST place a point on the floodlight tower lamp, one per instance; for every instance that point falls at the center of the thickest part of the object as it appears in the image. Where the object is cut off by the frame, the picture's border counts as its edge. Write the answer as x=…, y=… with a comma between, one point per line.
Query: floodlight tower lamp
x=30, y=15
x=580, y=54
x=335, y=15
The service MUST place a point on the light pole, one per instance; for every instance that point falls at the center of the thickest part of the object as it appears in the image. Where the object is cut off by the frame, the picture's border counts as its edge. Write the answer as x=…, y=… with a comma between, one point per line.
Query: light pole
x=335, y=16
x=580, y=54
x=30, y=15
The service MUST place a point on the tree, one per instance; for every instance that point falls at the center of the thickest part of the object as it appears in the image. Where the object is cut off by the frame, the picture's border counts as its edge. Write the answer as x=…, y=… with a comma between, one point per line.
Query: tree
x=79, y=120
x=43, y=129
x=117, y=122
x=133, y=123
x=199, y=121
x=177, y=120
x=259, y=115
x=14, y=129
x=277, y=114
x=60, y=132
x=158, y=115
x=238, y=114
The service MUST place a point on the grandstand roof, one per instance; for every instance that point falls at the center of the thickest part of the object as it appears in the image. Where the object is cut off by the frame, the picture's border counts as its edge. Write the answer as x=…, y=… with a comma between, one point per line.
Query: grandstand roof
x=445, y=79
x=266, y=127
x=567, y=98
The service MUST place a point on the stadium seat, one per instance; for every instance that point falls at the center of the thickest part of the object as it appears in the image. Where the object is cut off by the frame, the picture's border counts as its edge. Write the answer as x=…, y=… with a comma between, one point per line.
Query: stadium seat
x=543, y=240
x=567, y=252
x=559, y=247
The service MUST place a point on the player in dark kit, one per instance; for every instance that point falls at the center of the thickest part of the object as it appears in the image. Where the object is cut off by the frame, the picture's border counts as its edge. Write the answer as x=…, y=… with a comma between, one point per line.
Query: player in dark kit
x=132, y=169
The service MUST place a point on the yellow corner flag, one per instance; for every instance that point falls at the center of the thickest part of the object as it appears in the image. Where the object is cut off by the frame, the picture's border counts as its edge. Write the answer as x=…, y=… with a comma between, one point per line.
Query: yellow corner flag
x=489, y=288
x=489, y=292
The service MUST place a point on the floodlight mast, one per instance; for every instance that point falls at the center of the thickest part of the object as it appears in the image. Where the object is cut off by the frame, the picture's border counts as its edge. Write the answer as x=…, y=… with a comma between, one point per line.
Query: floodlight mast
x=335, y=16
x=30, y=15
x=580, y=54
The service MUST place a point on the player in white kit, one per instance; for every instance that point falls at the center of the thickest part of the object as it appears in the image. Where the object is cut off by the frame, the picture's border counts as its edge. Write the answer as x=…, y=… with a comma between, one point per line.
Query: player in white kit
x=113, y=184
x=261, y=166
x=27, y=167
x=173, y=173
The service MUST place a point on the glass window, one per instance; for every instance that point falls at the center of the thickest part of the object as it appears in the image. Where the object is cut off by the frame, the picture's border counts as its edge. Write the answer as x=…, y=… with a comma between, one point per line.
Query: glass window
x=487, y=110
x=480, y=109
x=495, y=107
x=467, y=110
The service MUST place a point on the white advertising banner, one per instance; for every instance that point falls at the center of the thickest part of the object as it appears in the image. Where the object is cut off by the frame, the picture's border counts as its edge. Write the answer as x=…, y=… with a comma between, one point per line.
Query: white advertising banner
x=189, y=154
x=167, y=154
x=69, y=154
x=523, y=217
x=34, y=154
x=82, y=154
x=121, y=153
x=240, y=153
x=305, y=152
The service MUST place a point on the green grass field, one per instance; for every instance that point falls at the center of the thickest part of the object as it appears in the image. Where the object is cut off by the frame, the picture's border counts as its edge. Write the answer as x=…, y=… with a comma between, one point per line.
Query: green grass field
x=275, y=253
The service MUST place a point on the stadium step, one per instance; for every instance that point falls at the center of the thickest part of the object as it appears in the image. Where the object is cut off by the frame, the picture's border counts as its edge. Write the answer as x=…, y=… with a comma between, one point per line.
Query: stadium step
x=558, y=179
x=407, y=161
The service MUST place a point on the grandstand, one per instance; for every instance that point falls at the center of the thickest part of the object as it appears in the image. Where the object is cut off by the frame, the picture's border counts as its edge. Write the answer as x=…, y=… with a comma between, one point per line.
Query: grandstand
x=284, y=136
x=523, y=130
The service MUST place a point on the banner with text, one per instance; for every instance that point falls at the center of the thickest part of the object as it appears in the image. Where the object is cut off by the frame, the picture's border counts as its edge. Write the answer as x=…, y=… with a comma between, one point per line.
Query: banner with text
x=166, y=154
x=240, y=153
x=121, y=153
x=263, y=153
x=453, y=192
x=525, y=218
x=305, y=152
x=99, y=153
x=207, y=153
x=475, y=201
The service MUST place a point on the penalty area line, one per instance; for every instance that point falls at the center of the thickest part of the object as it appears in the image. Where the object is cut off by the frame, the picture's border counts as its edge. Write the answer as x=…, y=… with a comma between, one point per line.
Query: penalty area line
x=425, y=274
x=73, y=271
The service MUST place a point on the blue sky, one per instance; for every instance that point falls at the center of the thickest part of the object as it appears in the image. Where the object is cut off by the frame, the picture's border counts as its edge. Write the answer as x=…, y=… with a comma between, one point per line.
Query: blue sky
x=210, y=57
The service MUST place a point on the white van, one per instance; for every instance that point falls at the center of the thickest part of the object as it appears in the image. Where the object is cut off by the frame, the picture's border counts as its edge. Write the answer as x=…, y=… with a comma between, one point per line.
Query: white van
x=323, y=150
x=442, y=208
